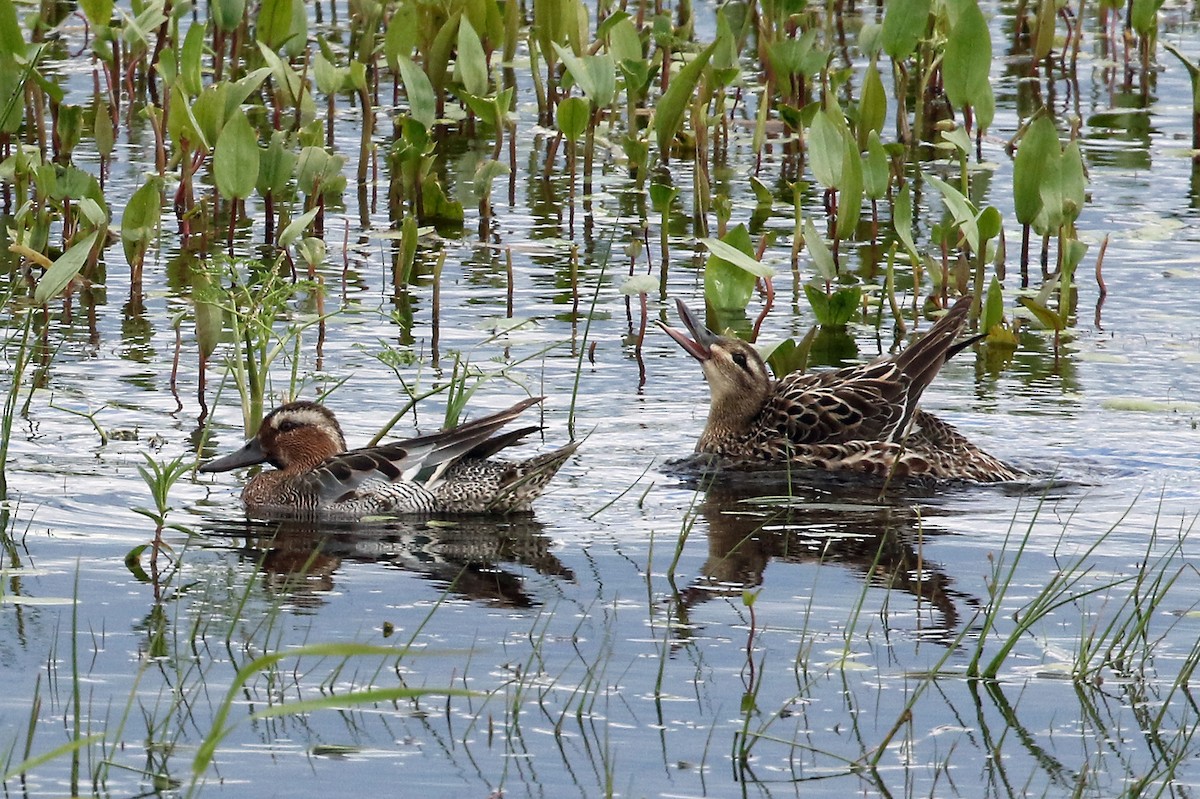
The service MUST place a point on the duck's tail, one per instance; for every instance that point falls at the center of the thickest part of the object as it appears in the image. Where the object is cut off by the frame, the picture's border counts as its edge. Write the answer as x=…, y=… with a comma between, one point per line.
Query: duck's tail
x=474, y=485
x=921, y=361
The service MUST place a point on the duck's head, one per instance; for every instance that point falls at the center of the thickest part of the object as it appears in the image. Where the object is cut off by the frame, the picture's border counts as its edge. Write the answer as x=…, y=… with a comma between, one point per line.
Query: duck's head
x=296, y=436
x=736, y=374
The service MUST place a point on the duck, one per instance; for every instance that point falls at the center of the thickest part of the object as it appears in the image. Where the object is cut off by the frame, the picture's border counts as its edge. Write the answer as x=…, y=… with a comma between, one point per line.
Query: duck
x=448, y=472
x=860, y=419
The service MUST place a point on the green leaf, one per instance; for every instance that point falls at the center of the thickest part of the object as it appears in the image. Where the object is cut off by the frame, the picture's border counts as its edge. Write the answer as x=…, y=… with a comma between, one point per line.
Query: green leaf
x=822, y=258
x=422, y=103
x=401, y=36
x=1048, y=318
x=789, y=355
x=236, y=160
x=227, y=14
x=275, y=167
x=961, y=210
x=668, y=114
x=207, y=299
x=64, y=269
x=826, y=150
x=98, y=12
x=729, y=285
x=877, y=168
x=904, y=24
x=143, y=212
x=737, y=257
x=437, y=207
x=993, y=308
x=103, y=131
x=833, y=310
x=485, y=173
x=624, y=42
x=989, y=222
x=330, y=79
x=573, y=116
x=273, y=23
x=1074, y=181
x=296, y=227
x=1038, y=147
x=661, y=196
x=12, y=41
x=968, y=58
x=470, y=65
x=762, y=193
x=849, y=207
x=285, y=77
x=872, y=107
x=1144, y=16
x=190, y=60
x=140, y=220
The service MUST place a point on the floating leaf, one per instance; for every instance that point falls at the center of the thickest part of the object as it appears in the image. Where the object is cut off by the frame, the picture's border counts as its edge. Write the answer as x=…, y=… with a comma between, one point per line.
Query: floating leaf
x=639, y=284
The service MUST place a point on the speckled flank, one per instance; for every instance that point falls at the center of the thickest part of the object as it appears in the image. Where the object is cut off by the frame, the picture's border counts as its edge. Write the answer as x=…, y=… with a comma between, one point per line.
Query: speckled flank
x=860, y=418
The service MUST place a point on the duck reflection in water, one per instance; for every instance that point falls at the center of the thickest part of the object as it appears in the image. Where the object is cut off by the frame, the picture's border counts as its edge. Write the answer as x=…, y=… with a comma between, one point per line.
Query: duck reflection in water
x=753, y=520
x=469, y=557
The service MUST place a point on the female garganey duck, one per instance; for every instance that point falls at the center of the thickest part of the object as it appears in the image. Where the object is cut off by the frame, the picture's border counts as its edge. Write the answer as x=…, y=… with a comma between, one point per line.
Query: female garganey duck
x=859, y=418
x=445, y=472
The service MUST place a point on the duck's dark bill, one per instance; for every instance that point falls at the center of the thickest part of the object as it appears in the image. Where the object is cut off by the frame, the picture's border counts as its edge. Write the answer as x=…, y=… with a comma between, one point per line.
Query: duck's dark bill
x=248, y=455
x=700, y=348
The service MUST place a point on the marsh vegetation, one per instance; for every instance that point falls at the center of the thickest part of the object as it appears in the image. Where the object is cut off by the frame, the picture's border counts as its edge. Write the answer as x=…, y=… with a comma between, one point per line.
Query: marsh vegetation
x=419, y=211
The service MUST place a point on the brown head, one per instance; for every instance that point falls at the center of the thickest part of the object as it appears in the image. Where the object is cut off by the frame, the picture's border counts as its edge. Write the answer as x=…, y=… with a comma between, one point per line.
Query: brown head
x=294, y=437
x=737, y=377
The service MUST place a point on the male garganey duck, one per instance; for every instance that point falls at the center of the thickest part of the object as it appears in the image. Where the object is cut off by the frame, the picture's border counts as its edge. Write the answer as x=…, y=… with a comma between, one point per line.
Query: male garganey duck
x=445, y=472
x=859, y=418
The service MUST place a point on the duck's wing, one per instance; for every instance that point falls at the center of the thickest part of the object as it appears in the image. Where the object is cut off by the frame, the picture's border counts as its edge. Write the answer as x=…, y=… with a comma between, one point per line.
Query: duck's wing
x=413, y=460
x=862, y=403
x=872, y=402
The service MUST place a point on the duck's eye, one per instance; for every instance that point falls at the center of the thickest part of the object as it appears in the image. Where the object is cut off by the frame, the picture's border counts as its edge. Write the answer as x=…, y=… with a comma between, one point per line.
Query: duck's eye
x=288, y=426
x=740, y=359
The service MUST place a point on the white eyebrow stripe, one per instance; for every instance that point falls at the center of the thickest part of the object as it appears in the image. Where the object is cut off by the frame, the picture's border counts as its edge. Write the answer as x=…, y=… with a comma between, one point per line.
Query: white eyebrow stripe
x=306, y=416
